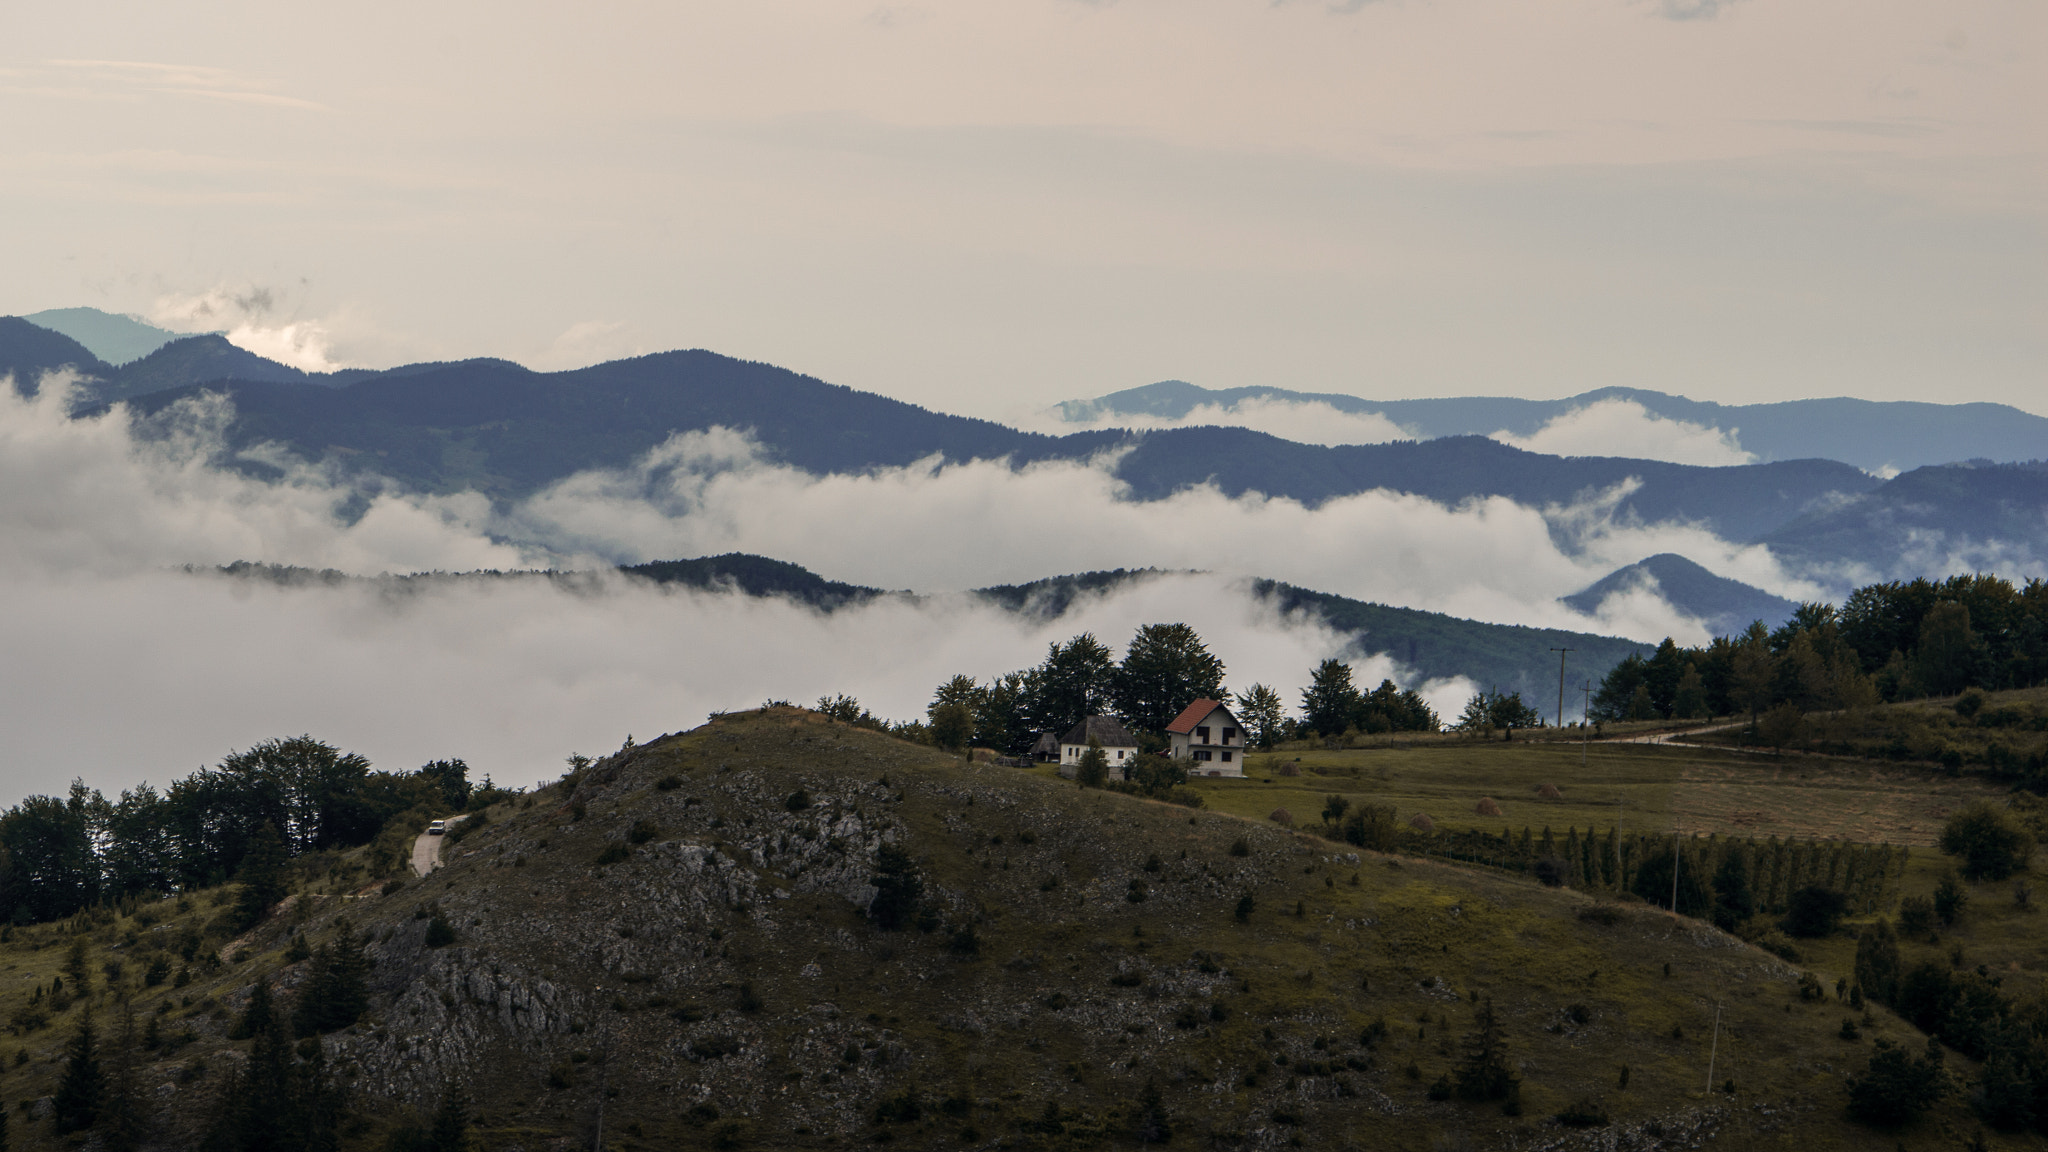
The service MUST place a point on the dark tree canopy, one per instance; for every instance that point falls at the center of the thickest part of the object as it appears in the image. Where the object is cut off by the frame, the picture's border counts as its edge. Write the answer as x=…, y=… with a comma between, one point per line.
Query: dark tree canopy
x=1165, y=668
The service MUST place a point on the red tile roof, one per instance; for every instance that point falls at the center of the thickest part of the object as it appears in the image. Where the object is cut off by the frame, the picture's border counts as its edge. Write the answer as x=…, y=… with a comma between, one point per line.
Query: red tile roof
x=1192, y=715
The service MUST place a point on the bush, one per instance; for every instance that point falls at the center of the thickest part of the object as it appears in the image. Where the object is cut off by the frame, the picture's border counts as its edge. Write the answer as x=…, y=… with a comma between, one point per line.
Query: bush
x=1549, y=871
x=1989, y=841
x=613, y=853
x=1239, y=847
x=1814, y=912
x=1895, y=1087
x=1584, y=1112
x=1916, y=917
x=643, y=831
x=798, y=800
x=440, y=933
x=1950, y=898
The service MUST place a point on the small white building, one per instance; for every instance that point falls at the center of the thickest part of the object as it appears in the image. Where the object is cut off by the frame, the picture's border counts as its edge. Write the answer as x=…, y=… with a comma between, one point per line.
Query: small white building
x=1118, y=745
x=1209, y=737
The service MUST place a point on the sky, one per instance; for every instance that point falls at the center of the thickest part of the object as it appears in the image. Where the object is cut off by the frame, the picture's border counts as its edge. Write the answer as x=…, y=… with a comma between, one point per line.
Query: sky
x=986, y=208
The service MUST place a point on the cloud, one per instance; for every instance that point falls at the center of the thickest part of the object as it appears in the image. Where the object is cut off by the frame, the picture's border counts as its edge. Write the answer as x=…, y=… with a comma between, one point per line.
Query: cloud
x=1303, y=421
x=143, y=80
x=1626, y=428
x=513, y=676
x=1692, y=9
x=243, y=315
x=587, y=342
x=92, y=496
x=982, y=523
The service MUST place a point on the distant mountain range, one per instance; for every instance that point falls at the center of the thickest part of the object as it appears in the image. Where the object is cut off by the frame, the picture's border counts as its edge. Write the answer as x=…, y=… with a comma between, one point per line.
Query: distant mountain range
x=507, y=431
x=109, y=336
x=1873, y=435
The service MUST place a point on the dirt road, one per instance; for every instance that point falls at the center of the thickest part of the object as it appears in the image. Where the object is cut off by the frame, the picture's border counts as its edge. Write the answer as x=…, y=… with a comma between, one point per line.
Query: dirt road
x=426, y=851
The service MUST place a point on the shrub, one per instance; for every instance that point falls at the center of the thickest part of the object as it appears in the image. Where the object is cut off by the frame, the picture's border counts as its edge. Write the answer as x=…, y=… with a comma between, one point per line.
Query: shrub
x=1239, y=847
x=964, y=942
x=797, y=800
x=1990, y=843
x=1950, y=898
x=440, y=933
x=643, y=831
x=1549, y=871
x=1245, y=907
x=1895, y=1087
x=669, y=783
x=1815, y=911
x=1916, y=917
x=1585, y=1112
x=613, y=853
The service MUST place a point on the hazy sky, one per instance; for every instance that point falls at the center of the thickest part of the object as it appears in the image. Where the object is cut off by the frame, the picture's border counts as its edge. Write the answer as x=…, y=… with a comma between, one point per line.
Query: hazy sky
x=986, y=207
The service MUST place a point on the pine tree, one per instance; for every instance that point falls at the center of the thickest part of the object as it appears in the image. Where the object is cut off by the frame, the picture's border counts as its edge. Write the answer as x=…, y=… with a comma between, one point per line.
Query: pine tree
x=256, y=1015
x=1093, y=769
x=898, y=889
x=450, y=1130
x=81, y=1090
x=1877, y=962
x=262, y=878
x=121, y=1126
x=1484, y=1073
x=337, y=992
x=78, y=967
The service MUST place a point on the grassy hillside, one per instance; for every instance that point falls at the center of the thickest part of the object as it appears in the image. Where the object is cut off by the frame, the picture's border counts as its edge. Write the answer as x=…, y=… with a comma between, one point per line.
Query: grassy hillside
x=672, y=944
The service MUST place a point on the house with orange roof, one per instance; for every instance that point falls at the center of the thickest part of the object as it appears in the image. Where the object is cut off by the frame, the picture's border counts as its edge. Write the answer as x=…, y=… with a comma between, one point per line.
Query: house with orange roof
x=1209, y=738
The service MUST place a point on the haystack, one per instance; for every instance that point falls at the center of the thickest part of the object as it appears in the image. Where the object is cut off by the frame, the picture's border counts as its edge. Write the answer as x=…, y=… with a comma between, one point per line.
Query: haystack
x=1549, y=792
x=1282, y=816
x=1421, y=822
x=1486, y=807
x=1290, y=769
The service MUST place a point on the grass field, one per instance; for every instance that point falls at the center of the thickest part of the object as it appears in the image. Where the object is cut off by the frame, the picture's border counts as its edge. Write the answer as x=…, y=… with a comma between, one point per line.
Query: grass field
x=1646, y=787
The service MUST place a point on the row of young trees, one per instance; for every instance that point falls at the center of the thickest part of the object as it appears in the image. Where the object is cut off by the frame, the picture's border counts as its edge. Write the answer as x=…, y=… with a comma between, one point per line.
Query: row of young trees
x=1164, y=668
x=1886, y=642
x=59, y=854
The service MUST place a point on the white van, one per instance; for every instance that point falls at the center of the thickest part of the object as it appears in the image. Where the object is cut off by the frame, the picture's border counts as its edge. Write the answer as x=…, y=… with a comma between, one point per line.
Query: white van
x=437, y=828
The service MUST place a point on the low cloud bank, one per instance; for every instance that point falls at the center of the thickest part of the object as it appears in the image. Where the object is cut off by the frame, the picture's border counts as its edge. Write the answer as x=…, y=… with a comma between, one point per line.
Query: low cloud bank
x=148, y=675
x=1626, y=428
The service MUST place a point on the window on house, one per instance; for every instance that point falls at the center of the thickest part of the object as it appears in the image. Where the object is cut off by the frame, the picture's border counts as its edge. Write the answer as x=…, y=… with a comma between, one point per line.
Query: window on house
x=1226, y=757
x=1202, y=734
x=1201, y=753
x=1119, y=753
x=1230, y=735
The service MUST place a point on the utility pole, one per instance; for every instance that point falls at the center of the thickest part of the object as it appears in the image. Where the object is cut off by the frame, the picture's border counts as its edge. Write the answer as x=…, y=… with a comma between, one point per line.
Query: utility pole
x=1560, y=684
x=1715, y=1050
x=1677, y=854
x=1585, y=723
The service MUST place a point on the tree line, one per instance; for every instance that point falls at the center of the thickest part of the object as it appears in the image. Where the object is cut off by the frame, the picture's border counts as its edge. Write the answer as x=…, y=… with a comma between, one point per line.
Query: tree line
x=1164, y=668
x=1887, y=642
x=61, y=854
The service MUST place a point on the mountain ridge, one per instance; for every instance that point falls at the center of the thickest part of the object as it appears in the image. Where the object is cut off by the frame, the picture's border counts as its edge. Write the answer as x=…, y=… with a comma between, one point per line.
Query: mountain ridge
x=1870, y=434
